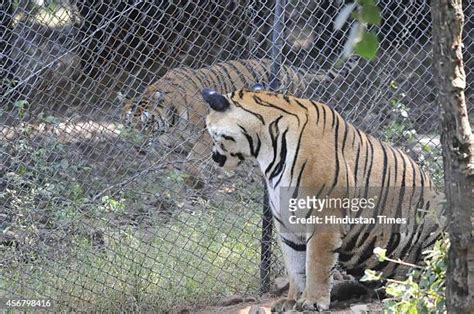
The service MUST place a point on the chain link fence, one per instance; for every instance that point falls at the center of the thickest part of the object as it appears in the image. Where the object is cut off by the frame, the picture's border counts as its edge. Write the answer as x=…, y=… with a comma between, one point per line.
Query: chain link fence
x=98, y=216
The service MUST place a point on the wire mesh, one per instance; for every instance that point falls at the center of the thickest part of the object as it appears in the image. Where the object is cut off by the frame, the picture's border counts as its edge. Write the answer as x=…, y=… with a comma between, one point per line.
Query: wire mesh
x=95, y=215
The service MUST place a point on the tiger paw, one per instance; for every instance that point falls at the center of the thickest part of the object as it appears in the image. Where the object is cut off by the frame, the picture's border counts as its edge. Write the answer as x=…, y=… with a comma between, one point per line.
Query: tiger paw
x=307, y=304
x=283, y=305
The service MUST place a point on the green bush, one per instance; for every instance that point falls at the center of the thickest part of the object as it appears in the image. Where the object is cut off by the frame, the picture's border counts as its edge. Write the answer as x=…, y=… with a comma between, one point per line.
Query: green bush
x=424, y=289
x=400, y=131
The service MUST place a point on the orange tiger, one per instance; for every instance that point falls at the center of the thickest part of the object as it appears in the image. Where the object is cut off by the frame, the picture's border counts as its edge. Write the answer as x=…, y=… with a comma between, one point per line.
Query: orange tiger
x=171, y=102
x=306, y=149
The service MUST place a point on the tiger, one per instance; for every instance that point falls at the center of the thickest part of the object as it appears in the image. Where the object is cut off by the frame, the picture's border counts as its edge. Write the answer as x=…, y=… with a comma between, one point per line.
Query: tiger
x=303, y=147
x=171, y=102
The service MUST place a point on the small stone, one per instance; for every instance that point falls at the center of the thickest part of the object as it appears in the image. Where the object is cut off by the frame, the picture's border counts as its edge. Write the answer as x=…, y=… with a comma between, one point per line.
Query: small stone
x=250, y=299
x=255, y=309
x=359, y=308
x=348, y=277
x=280, y=285
x=233, y=299
x=337, y=276
x=181, y=310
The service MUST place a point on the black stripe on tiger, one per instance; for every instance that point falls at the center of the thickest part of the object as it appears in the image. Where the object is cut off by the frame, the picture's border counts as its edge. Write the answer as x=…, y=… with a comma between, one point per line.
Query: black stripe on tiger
x=298, y=145
x=343, y=149
x=280, y=166
x=254, y=149
x=324, y=118
x=356, y=167
x=298, y=180
x=369, y=165
x=258, y=116
x=261, y=102
x=243, y=79
x=229, y=138
x=336, y=157
x=204, y=78
x=316, y=108
x=295, y=246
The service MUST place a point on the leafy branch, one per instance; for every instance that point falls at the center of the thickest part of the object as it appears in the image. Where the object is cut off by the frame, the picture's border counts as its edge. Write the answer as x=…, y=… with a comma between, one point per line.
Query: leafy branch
x=424, y=290
x=361, y=41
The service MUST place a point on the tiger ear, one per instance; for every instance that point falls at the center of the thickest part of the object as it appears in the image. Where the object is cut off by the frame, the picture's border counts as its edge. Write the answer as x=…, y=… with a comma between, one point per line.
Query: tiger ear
x=257, y=87
x=215, y=100
x=158, y=96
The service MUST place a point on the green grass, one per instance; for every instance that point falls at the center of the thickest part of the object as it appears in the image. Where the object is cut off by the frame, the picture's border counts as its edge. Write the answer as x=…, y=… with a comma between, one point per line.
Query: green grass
x=195, y=259
x=148, y=246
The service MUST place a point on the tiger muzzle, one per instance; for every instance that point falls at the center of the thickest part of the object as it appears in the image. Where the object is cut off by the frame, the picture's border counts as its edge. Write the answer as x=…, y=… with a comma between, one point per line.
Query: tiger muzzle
x=219, y=158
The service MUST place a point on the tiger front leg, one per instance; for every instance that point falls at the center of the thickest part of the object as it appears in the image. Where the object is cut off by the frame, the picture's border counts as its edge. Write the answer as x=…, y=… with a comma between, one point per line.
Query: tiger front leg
x=320, y=260
x=294, y=255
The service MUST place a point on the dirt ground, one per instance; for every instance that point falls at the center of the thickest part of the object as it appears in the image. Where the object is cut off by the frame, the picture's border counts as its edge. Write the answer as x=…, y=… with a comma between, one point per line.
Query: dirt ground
x=264, y=306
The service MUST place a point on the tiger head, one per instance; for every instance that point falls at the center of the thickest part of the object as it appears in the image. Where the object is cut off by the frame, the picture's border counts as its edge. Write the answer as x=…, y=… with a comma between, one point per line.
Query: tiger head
x=148, y=113
x=233, y=130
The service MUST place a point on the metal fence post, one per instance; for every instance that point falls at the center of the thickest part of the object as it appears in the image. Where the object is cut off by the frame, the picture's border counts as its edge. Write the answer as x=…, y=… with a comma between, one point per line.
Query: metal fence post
x=277, y=44
x=267, y=226
x=266, y=244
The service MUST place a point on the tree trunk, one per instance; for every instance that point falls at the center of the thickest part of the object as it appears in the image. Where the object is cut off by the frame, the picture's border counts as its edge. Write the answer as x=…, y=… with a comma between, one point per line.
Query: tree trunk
x=458, y=152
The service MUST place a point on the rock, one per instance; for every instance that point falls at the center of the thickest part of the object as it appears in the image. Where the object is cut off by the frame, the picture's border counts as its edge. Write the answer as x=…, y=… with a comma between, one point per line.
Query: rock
x=180, y=310
x=280, y=285
x=348, y=290
x=233, y=299
x=337, y=276
x=255, y=309
x=359, y=308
